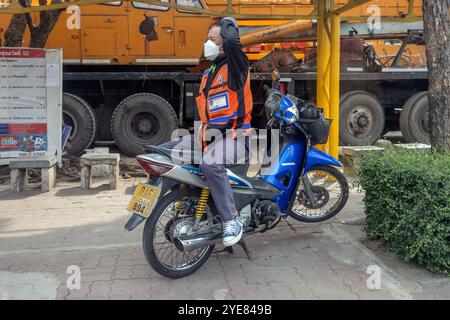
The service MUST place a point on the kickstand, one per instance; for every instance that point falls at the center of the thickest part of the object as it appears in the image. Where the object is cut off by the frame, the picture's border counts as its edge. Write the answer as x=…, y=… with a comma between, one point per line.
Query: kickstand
x=244, y=246
x=226, y=249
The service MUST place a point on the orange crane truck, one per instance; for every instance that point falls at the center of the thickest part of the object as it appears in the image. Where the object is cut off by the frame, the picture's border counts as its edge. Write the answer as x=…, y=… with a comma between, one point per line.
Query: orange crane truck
x=132, y=69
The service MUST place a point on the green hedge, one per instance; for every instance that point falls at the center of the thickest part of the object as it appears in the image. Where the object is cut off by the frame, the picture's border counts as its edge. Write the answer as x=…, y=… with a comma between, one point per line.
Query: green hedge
x=407, y=203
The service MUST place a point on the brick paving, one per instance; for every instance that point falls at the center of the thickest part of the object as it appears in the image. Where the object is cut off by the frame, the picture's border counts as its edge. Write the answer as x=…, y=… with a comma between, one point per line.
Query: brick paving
x=41, y=235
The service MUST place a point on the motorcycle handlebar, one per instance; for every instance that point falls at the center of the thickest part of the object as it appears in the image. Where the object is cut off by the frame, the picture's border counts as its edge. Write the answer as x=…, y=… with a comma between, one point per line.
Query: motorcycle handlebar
x=269, y=90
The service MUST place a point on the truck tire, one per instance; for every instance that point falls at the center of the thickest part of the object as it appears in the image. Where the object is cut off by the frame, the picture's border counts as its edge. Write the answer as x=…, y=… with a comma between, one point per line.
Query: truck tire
x=414, y=119
x=78, y=114
x=142, y=119
x=361, y=119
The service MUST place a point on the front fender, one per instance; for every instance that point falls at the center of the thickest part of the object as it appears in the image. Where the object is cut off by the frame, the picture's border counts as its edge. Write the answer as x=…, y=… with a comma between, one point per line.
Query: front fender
x=316, y=157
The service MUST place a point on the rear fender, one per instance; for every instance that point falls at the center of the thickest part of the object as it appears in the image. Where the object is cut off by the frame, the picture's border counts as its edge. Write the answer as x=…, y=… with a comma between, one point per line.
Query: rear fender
x=165, y=184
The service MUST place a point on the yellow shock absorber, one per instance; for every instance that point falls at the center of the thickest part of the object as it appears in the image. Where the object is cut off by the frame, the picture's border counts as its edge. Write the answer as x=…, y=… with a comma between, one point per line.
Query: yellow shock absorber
x=178, y=203
x=201, y=206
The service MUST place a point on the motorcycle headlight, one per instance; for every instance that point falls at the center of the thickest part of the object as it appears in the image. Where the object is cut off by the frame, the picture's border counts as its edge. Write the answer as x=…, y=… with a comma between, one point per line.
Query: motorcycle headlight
x=292, y=114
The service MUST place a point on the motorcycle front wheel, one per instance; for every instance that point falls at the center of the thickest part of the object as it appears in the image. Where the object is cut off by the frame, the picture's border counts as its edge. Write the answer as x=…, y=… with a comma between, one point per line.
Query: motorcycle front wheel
x=173, y=216
x=330, y=189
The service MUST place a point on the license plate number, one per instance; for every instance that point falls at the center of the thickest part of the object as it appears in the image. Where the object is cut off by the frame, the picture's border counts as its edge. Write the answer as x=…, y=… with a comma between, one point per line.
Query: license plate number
x=144, y=199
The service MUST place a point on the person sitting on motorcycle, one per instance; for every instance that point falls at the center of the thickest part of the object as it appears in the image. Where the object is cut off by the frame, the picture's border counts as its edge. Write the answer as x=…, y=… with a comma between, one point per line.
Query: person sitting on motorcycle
x=224, y=103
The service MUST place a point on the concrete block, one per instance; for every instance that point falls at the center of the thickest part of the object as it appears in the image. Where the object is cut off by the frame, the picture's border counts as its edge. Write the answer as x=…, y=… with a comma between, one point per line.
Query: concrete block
x=19, y=179
x=48, y=178
x=90, y=160
x=101, y=149
x=382, y=143
x=32, y=162
x=96, y=158
x=4, y=161
x=114, y=177
x=100, y=170
x=98, y=150
x=86, y=177
x=358, y=150
x=421, y=147
x=19, y=172
x=351, y=154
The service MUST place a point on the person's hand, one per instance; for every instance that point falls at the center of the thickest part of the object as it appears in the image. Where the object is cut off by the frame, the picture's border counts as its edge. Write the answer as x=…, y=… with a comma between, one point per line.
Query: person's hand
x=230, y=20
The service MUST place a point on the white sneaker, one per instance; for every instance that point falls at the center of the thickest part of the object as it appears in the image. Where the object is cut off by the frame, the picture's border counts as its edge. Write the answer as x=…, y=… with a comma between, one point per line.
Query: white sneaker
x=232, y=231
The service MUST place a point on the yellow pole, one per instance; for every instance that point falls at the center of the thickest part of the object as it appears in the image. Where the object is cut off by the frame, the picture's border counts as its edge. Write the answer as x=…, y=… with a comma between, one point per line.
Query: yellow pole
x=333, y=140
x=323, y=60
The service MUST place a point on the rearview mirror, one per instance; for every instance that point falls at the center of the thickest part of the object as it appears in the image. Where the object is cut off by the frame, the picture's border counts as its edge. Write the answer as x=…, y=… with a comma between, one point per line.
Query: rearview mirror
x=275, y=79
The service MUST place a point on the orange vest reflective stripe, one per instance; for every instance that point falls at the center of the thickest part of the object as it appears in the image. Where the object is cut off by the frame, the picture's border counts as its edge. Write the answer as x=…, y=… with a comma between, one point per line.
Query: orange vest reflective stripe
x=221, y=104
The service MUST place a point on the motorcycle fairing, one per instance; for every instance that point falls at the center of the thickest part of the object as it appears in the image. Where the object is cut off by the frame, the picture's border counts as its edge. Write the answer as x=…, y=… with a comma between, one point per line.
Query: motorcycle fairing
x=286, y=171
x=317, y=157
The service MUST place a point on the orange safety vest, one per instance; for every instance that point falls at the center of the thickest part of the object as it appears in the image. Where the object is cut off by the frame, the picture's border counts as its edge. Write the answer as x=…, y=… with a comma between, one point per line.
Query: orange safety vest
x=221, y=104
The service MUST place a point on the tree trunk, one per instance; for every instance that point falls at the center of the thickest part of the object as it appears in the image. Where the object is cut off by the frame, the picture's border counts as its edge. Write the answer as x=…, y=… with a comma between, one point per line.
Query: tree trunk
x=40, y=33
x=436, y=15
x=16, y=28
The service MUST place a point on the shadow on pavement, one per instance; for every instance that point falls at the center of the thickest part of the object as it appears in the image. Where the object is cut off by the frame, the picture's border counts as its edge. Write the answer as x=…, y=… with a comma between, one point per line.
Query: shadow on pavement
x=77, y=191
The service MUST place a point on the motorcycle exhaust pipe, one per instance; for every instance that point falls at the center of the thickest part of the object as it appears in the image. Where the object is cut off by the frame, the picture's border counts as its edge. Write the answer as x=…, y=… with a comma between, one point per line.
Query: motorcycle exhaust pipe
x=196, y=241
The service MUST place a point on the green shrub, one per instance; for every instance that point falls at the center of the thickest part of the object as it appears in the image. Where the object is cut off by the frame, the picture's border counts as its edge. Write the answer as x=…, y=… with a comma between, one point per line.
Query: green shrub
x=407, y=203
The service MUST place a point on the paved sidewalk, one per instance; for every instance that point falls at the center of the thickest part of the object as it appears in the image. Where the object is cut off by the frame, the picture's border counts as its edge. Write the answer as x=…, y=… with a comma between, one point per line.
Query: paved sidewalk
x=41, y=235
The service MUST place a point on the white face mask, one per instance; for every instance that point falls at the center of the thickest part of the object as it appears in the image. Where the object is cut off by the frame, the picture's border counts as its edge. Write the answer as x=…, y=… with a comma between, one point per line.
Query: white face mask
x=211, y=50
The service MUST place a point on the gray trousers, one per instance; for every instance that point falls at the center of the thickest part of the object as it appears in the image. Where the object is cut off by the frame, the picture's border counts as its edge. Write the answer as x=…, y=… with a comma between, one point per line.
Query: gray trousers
x=213, y=165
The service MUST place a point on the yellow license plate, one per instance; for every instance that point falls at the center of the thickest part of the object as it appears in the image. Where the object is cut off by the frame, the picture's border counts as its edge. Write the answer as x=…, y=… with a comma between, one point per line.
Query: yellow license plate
x=143, y=200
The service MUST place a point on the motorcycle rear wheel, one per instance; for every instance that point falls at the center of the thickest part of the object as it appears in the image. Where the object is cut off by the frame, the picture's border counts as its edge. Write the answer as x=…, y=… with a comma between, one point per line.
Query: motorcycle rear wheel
x=181, y=263
x=327, y=182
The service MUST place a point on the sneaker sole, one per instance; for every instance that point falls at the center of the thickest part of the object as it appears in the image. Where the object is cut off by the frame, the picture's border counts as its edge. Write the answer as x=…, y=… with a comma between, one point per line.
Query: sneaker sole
x=233, y=242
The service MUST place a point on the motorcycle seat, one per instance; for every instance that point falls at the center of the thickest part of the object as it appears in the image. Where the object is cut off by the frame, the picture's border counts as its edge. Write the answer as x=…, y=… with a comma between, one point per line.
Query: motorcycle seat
x=189, y=157
x=155, y=149
x=192, y=158
x=239, y=169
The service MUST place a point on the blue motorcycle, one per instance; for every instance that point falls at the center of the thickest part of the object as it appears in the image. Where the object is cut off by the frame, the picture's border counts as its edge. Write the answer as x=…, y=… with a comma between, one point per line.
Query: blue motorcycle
x=182, y=225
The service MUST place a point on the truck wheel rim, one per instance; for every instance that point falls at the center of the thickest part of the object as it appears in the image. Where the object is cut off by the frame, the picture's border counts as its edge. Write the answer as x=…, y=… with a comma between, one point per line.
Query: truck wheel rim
x=143, y=126
x=360, y=121
x=424, y=122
